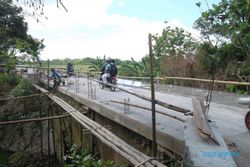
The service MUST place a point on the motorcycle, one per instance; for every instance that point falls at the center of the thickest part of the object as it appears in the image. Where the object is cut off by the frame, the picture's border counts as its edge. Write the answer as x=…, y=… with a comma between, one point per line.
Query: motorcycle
x=111, y=80
x=246, y=101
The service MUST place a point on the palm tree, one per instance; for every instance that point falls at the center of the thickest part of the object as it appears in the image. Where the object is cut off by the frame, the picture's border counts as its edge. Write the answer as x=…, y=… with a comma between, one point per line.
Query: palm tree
x=138, y=69
x=97, y=63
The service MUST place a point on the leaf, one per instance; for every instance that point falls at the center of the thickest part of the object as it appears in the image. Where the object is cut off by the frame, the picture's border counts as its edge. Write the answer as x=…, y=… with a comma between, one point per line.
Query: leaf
x=198, y=4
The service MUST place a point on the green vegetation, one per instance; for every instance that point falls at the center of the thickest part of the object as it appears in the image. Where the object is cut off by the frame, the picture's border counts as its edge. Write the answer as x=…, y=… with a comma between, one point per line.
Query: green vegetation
x=80, y=157
x=3, y=158
x=22, y=89
x=7, y=82
x=14, y=38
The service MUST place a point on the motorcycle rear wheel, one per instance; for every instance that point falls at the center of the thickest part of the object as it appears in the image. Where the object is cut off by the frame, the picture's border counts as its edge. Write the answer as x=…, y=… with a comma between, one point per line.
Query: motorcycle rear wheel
x=112, y=88
x=247, y=120
x=101, y=85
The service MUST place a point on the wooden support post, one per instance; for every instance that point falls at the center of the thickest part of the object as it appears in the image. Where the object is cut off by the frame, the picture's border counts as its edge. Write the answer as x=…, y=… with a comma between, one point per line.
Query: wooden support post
x=53, y=135
x=48, y=75
x=81, y=138
x=93, y=139
x=70, y=129
x=48, y=110
x=61, y=140
x=154, y=146
x=41, y=130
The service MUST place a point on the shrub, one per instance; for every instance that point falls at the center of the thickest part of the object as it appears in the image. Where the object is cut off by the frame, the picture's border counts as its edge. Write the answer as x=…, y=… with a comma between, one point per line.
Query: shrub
x=22, y=89
x=7, y=82
x=80, y=157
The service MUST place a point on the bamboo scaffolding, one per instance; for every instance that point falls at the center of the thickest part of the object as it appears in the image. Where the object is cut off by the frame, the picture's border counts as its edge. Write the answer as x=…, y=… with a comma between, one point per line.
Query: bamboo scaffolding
x=104, y=138
x=103, y=131
x=32, y=120
x=149, y=109
x=131, y=154
x=19, y=97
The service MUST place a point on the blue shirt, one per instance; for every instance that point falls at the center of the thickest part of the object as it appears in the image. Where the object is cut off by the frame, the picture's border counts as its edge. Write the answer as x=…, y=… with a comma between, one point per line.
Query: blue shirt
x=56, y=76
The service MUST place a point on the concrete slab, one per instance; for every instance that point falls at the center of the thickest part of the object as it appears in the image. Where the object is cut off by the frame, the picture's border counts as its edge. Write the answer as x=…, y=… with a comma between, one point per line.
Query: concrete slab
x=241, y=143
x=205, y=152
x=229, y=118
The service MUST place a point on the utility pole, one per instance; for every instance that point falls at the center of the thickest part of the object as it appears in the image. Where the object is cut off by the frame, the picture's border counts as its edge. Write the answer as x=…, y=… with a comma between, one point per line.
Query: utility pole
x=154, y=146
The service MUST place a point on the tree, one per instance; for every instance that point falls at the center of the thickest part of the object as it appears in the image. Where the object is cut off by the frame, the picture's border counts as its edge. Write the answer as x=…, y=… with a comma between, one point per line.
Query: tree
x=97, y=64
x=32, y=47
x=134, y=68
x=226, y=30
x=13, y=33
x=173, y=42
x=12, y=28
x=229, y=21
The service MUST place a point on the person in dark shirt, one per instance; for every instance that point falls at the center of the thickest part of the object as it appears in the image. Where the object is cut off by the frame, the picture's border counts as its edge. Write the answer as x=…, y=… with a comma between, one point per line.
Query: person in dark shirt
x=104, y=67
x=70, y=69
x=110, y=71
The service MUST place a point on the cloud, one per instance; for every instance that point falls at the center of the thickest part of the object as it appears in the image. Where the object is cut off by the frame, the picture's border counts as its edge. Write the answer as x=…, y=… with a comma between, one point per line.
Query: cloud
x=87, y=30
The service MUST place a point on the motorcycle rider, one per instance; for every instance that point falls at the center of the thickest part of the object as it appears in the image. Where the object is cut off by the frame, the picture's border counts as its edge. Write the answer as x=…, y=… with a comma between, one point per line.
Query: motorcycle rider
x=113, y=69
x=104, y=67
x=110, y=71
x=57, y=79
x=70, y=69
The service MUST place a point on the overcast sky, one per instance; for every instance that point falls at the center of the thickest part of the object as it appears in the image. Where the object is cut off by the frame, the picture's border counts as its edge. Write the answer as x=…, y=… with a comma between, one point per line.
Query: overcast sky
x=116, y=28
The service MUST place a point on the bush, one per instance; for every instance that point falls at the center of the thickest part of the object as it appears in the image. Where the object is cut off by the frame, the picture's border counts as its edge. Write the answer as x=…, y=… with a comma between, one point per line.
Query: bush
x=7, y=82
x=22, y=89
x=80, y=157
x=3, y=79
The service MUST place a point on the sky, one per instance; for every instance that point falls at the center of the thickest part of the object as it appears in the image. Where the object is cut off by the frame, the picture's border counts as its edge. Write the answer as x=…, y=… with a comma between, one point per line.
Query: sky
x=115, y=28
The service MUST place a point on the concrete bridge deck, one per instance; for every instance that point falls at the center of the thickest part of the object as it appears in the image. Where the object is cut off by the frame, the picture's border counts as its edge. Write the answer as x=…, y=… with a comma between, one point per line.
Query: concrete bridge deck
x=170, y=132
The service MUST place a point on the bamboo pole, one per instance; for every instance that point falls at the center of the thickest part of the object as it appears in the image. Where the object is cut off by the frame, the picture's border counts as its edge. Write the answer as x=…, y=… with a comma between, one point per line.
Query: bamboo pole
x=48, y=134
x=134, y=156
x=19, y=97
x=149, y=109
x=190, y=79
x=91, y=129
x=53, y=135
x=93, y=139
x=33, y=120
x=94, y=127
x=61, y=140
x=154, y=146
x=41, y=131
x=161, y=103
x=48, y=75
x=157, y=78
